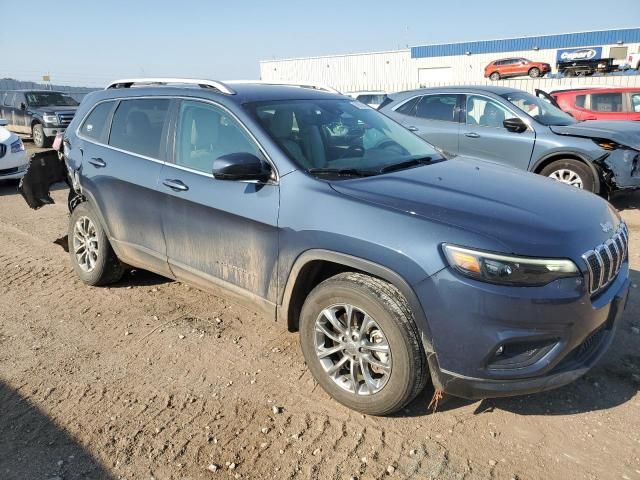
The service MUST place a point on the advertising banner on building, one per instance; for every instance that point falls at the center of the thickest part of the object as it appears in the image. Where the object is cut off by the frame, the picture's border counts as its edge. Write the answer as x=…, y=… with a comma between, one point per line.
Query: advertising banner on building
x=575, y=54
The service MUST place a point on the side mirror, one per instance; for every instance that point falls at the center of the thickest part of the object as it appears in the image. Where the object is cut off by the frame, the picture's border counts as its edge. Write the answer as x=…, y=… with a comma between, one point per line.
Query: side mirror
x=23, y=106
x=241, y=166
x=515, y=125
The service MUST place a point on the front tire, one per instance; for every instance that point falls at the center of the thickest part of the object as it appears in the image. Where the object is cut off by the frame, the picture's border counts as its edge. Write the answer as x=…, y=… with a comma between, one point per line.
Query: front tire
x=361, y=344
x=93, y=259
x=534, y=72
x=571, y=172
x=40, y=140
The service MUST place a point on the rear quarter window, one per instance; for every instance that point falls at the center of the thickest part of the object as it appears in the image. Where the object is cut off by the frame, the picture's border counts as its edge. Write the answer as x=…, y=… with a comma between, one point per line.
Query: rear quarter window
x=96, y=125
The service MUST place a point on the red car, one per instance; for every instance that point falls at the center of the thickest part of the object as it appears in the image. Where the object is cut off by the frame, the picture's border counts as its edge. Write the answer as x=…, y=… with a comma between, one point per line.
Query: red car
x=599, y=103
x=515, y=67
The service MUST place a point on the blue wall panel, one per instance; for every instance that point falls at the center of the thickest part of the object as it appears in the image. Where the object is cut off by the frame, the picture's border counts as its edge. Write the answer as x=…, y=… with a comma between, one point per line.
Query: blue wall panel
x=568, y=40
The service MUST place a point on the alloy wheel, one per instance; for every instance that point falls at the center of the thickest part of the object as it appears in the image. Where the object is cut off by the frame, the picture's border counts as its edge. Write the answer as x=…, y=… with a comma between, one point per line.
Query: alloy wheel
x=352, y=349
x=567, y=176
x=85, y=244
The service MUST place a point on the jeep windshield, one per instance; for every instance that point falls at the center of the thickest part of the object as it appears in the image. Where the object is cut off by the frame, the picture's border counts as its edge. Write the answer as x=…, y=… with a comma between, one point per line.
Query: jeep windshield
x=341, y=138
x=538, y=109
x=50, y=99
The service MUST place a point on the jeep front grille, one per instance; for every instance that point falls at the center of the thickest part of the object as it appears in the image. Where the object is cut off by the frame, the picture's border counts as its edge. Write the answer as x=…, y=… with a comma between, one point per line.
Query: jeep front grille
x=605, y=260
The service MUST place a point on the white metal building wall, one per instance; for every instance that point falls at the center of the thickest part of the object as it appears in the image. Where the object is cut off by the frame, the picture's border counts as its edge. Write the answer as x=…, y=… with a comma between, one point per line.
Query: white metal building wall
x=396, y=70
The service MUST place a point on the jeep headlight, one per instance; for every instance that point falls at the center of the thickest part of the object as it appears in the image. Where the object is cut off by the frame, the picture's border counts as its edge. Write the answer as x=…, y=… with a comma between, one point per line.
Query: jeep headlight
x=50, y=118
x=507, y=269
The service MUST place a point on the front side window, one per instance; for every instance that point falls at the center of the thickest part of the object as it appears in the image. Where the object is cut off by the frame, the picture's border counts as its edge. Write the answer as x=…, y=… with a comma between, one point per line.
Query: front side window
x=95, y=125
x=606, y=102
x=485, y=112
x=50, y=99
x=538, y=109
x=206, y=132
x=339, y=137
x=138, y=124
x=580, y=100
x=438, y=107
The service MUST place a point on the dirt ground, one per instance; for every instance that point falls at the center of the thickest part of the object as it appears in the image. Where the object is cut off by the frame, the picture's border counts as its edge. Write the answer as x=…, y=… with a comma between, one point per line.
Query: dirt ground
x=154, y=379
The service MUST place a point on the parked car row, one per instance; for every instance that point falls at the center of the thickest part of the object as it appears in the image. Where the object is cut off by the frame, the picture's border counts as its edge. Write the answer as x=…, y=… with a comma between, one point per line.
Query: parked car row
x=39, y=113
x=397, y=265
x=518, y=129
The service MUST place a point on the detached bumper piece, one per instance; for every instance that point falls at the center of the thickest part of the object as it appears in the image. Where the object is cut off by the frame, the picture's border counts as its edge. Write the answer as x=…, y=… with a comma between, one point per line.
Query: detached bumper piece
x=45, y=169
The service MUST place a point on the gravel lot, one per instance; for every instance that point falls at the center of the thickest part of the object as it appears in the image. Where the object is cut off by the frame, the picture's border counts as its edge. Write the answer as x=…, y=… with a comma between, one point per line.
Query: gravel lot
x=154, y=379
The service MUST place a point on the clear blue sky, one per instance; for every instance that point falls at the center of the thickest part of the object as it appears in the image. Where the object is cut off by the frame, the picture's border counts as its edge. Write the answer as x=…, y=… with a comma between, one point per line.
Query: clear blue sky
x=92, y=42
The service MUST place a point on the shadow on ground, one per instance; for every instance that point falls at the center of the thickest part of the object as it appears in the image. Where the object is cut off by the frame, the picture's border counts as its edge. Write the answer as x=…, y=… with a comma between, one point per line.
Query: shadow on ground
x=32, y=446
x=613, y=381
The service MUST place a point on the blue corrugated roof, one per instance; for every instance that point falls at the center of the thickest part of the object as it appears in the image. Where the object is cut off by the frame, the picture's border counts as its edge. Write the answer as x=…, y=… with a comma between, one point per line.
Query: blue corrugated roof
x=566, y=40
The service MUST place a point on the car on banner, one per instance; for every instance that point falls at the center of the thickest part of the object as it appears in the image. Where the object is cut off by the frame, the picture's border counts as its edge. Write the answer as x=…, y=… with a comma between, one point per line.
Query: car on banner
x=515, y=67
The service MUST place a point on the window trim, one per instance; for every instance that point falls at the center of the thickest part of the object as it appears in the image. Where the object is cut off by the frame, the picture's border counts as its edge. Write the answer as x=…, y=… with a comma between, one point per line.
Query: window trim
x=171, y=126
x=527, y=121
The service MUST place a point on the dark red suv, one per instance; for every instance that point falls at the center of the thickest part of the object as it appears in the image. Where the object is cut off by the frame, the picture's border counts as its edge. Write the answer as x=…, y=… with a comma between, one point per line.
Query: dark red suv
x=515, y=67
x=600, y=103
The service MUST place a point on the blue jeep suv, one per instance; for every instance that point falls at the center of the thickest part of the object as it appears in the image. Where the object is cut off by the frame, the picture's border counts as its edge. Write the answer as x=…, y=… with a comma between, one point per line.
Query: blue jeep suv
x=396, y=266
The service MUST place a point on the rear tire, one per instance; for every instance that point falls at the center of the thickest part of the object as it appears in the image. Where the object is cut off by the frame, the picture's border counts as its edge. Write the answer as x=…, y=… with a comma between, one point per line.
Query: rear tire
x=571, y=172
x=39, y=138
x=394, y=378
x=495, y=76
x=92, y=257
x=534, y=72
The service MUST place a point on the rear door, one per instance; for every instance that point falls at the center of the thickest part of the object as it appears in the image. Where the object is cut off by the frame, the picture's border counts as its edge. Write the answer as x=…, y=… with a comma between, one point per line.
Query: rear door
x=436, y=118
x=121, y=168
x=608, y=105
x=484, y=136
x=218, y=232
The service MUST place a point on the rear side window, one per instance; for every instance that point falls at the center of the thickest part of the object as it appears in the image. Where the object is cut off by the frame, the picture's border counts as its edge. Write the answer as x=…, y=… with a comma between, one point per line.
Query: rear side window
x=606, y=102
x=138, y=124
x=95, y=125
x=438, y=107
x=635, y=102
x=580, y=100
x=408, y=107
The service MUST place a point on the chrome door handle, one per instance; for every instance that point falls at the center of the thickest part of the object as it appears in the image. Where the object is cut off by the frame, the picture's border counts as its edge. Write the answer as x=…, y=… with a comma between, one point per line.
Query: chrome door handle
x=472, y=135
x=412, y=129
x=97, y=162
x=175, y=185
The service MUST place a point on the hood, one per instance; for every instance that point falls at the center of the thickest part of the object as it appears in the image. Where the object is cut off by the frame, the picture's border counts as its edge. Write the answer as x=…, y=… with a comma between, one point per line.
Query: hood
x=524, y=213
x=624, y=133
x=53, y=109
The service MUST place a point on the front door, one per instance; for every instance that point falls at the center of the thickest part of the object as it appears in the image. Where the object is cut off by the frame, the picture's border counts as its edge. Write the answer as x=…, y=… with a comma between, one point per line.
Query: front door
x=219, y=233
x=483, y=135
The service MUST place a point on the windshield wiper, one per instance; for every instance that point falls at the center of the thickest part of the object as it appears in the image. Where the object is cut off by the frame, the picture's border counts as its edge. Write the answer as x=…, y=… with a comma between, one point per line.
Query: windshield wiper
x=407, y=164
x=347, y=172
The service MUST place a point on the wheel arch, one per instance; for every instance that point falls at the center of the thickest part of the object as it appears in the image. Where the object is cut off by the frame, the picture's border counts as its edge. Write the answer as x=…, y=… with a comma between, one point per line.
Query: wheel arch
x=35, y=121
x=555, y=156
x=315, y=266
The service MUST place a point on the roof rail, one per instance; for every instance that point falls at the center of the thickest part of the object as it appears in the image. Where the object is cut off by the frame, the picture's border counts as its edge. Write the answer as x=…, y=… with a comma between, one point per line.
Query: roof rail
x=131, y=82
x=312, y=85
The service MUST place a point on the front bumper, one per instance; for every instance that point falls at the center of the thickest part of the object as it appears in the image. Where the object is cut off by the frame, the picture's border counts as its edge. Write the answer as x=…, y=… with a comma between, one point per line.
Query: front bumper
x=469, y=321
x=53, y=131
x=623, y=164
x=13, y=165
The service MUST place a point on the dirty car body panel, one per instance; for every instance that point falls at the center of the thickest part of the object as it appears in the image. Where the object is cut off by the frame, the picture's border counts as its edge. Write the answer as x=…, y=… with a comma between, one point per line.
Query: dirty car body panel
x=254, y=239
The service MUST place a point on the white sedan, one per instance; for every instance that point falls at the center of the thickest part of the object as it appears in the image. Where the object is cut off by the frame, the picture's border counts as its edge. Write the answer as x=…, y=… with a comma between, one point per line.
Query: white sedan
x=13, y=157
